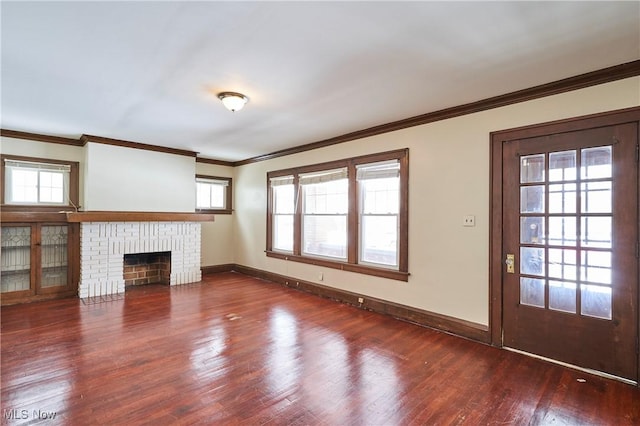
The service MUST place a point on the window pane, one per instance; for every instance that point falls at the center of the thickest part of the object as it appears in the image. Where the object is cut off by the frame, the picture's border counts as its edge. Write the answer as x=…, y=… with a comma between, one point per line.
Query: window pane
x=24, y=186
x=596, y=163
x=596, y=232
x=596, y=197
x=532, y=292
x=379, y=240
x=562, y=231
x=562, y=198
x=532, y=230
x=325, y=235
x=203, y=195
x=532, y=199
x=562, y=264
x=596, y=301
x=380, y=195
x=532, y=168
x=532, y=261
x=327, y=197
x=218, y=196
x=562, y=296
x=283, y=232
x=283, y=202
x=562, y=166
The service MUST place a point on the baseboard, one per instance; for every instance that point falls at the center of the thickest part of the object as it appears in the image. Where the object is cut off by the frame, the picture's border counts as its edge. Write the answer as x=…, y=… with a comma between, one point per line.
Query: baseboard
x=216, y=269
x=444, y=323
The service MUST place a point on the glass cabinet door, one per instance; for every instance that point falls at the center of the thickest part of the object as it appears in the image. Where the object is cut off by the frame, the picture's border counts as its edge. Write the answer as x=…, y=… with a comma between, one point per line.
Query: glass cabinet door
x=54, y=248
x=15, y=252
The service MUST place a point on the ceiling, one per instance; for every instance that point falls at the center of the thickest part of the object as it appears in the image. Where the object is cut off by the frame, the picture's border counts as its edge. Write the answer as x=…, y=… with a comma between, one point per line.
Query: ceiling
x=149, y=72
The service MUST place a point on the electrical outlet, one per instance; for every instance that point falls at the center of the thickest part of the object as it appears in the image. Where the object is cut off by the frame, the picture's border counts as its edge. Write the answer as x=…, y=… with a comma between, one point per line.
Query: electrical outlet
x=360, y=300
x=297, y=283
x=469, y=220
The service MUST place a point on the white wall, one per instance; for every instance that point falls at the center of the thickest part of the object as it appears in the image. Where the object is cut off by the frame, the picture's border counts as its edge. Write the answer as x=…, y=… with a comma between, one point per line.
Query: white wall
x=448, y=178
x=218, y=243
x=128, y=179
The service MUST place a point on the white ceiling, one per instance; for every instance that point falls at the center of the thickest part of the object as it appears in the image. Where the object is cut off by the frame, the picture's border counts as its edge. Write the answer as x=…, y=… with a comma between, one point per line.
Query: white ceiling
x=149, y=72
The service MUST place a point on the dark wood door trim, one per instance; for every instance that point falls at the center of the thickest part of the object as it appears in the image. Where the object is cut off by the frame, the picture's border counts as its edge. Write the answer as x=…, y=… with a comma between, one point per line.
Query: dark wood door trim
x=496, y=261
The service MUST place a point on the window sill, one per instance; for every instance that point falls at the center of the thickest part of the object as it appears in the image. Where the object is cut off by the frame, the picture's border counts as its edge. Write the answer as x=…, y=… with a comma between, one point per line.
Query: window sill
x=361, y=269
x=214, y=211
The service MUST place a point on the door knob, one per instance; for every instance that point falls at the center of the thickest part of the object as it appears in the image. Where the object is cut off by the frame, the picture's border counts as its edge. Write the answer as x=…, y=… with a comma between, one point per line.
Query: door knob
x=510, y=262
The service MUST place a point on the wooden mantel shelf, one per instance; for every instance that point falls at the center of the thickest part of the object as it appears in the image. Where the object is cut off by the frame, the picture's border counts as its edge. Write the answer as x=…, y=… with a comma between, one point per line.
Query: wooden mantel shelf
x=105, y=216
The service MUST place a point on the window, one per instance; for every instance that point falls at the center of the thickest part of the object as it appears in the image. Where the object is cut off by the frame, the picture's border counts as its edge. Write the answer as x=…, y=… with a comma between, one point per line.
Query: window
x=349, y=214
x=213, y=194
x=39, y=183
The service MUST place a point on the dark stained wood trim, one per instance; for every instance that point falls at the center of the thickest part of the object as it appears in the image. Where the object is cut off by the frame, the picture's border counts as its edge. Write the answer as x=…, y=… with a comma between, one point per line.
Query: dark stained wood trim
x=118, y=216
x=38, y=137
x=127, y=144
x=626, y=115
x=32, y=216
x=216, y=269
x=215, y=162
x=228, y=195
x=606, y=75
x=74, y=186
x=458, y=327
x=343, y=266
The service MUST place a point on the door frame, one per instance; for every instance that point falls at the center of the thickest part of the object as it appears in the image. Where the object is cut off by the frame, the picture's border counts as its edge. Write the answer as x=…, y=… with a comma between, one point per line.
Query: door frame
x=496, y=261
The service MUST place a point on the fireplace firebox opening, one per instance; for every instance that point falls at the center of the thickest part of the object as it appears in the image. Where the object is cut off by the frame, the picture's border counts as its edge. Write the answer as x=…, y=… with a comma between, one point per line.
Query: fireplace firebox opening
x=147, y=268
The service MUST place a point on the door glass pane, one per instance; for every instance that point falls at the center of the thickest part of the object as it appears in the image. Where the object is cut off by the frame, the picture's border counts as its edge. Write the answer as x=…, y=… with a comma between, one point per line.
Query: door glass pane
x=562, y=231
x=532, y=292
x=595, y=197
x=532, y=261
x=562, y=264
x=596, y=163
x=562, y=166
x=596, y=301
x=532, y=168
x=532, y=199
x=562, y=198
x=532, y=230
x=596, y=232
x=54, y=256
x=562, y=296
x=15, y=273
x=595, y=267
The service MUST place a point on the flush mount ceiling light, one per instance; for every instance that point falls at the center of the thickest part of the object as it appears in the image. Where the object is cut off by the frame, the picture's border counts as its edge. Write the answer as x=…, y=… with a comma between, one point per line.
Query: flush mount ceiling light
x=233, y=101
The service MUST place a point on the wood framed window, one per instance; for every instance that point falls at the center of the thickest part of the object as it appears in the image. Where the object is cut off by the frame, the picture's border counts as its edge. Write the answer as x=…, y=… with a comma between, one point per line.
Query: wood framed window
x=349, y=214
x=213, y=194
x=39, y=184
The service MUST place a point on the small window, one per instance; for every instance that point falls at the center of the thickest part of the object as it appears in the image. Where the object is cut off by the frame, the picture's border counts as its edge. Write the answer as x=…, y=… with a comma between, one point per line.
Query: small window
x=213, y=194
x=33, y=182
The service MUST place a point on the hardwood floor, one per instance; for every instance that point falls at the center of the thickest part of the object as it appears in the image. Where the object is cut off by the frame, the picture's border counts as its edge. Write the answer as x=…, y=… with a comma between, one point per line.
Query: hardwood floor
x=237, y=350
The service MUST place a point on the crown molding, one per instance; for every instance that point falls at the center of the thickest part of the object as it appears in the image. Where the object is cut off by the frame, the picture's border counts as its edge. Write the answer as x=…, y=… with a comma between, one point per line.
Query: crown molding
x=128, y=144
x=15, y=134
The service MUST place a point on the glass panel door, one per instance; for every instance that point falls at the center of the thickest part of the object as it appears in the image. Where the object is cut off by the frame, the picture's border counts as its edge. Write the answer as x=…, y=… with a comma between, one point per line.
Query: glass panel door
x=54, y=264
x=15, y=272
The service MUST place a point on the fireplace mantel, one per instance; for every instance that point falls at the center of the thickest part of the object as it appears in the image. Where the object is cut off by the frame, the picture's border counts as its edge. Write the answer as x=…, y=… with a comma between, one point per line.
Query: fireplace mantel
x=115, y=216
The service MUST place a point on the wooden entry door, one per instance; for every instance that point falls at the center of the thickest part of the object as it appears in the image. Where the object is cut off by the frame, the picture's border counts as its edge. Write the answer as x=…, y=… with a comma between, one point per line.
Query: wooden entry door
x=569, y=239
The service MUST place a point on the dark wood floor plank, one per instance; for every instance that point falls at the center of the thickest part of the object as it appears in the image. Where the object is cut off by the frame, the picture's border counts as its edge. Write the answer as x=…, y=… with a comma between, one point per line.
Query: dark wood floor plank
x=237, y=350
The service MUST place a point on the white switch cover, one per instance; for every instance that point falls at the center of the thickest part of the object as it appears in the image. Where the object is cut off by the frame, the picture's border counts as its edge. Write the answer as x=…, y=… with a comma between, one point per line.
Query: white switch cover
x=469, y=220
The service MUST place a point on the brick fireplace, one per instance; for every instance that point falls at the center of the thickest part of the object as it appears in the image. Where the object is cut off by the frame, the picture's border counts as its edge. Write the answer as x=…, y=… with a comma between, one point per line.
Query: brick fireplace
x=103, y=246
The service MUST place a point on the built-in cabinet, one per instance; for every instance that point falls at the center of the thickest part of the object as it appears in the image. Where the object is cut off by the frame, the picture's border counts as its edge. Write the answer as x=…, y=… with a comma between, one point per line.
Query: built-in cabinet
x=38, y=260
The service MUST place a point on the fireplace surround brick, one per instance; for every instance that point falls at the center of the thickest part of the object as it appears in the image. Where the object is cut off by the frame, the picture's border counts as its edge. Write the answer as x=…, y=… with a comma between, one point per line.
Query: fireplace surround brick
x=104, y=244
